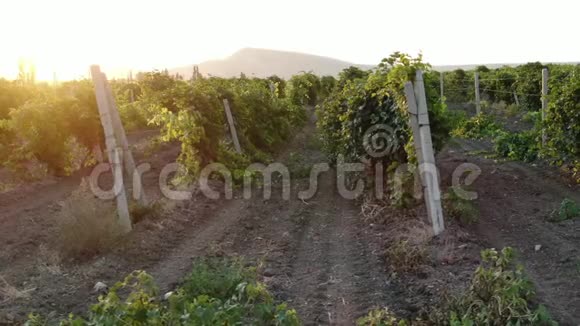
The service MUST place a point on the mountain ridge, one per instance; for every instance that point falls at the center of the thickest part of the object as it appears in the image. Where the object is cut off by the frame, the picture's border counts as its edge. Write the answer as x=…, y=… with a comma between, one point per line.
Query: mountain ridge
x=257, y=62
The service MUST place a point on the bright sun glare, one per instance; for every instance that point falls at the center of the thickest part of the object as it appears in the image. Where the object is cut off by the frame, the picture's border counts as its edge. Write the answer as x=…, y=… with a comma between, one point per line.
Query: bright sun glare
x=65, y=37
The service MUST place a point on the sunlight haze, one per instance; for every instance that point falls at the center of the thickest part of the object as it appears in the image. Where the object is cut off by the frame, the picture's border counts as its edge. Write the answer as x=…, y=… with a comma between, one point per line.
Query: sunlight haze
x=65, y=37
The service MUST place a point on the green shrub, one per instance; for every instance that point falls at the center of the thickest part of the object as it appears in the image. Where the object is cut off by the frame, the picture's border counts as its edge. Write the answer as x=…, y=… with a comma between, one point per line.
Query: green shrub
x=568, y=210
x=522, y=146
x=217, y=292
x=498, y=295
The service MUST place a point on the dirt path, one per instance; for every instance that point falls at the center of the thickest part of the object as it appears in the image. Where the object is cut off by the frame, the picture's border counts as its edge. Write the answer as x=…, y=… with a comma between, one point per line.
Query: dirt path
x=515, y=202
x=314, y=255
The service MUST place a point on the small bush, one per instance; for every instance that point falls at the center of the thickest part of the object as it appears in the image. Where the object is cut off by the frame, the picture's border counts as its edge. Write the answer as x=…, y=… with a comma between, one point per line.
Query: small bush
x=568, y=210
x=87, y=226
x=498, y=295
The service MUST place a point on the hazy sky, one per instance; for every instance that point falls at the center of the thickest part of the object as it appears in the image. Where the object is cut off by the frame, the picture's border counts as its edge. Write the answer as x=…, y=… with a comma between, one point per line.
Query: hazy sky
x=67, y=36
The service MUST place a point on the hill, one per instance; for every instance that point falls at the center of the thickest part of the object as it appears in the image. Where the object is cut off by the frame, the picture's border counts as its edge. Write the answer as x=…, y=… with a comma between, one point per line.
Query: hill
x=264, y=63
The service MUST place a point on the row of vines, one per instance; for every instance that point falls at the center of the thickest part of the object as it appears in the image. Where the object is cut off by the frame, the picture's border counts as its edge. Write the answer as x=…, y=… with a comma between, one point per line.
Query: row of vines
x=517, y=90
x=363, y=99
x=348, y=123
x=59, y=127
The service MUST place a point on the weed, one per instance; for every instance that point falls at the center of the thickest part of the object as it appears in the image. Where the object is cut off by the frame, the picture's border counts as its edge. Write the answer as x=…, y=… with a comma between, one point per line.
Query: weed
x=568, y=210
x=86, y=225
x=460, y=209
x=381, y=317
x=405, y=257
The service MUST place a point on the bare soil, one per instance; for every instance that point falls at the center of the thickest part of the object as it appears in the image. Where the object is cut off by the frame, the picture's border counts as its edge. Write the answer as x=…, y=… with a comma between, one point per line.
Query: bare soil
x=320, y=255
x=515, y=203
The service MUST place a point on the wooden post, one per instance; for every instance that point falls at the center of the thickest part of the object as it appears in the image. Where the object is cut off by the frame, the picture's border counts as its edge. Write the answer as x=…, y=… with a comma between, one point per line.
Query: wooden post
x=121, y=137
x=131, y=93
x=272, y=88
x=516, y=99
x=441, y=85
x=122, y=206
x=414, y=122
x=544, y=102
x=477, y=99
x=113, y=152
x=429, y=176
x=232, y=126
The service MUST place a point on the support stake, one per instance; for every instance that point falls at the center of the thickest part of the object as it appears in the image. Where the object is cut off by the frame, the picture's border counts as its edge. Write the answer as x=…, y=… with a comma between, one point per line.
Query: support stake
x=417, y=102
x=544, y=102
x=232, y=126
x=113, y=152
x=477, y=99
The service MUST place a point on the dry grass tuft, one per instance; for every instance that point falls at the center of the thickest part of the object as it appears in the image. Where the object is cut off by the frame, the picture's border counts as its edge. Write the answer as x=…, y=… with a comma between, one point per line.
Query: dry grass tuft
x=10, y=293
x=405, y=257
x=49, y=260
x=372, y=210
x=87, y=226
